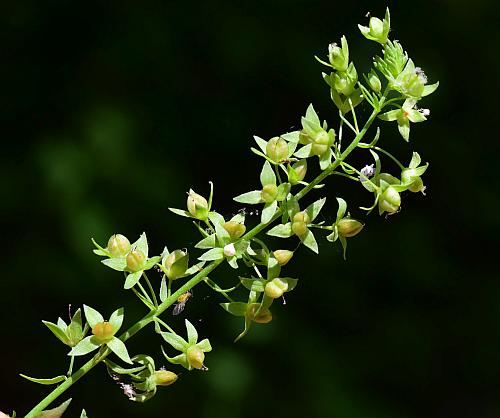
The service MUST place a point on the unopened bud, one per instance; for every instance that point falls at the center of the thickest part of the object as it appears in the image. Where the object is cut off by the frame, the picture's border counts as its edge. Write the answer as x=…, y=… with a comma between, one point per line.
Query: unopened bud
x=297, y=171
x=235, y=229
x=269, y=193
x=283, y=256
x=339, y=56
x=348, y=227
x=321, y=143
x=164, y=377
x=176, y=264
x=197, y=206
x=136, y=260
x=275, y=288
x=299, y=223
x=408, y=175
x=195, y=357
x=118, y=245
x=374, y=82
x=229, y=250
x=277, y=149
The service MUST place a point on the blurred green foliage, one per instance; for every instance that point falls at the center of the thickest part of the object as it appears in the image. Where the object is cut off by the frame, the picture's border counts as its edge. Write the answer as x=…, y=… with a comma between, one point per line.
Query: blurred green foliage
x=107, y=110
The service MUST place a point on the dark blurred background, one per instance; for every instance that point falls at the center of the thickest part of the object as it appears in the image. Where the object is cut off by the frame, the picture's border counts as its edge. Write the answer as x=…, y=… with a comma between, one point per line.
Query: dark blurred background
x=111, y=111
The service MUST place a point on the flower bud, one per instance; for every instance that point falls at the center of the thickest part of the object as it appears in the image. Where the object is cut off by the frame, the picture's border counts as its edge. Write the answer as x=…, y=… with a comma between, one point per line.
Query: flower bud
x=275, y=288
x=412, y=85
x=103, y=331
x=348, y=227
x=235, y=229
x=374, y=82
x=229, y=250
x=376, y=27
x=408, y=176
x=339, y=56
x=263, y=316
x=118, y=245
x=269, y=193
x=297, y=171
x=299, y=223
x=277, y=149
x=164, y=377
x=195, y=357
x=389, y=201
x=283, y=256
x=176, y=264
x=136, y=260
x=197, y=206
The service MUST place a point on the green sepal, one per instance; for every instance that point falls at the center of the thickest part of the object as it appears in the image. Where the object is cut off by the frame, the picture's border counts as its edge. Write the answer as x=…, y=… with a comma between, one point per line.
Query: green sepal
x=192, y=334
x=180, y=212
x=325, y=159
x=249, y=198
x=179, y=359
x=268, y=212
x=195, y=268
x=151, y=262
x=207, y=242
x=117, y=263
x=163, y=289
x=232, y=261
x=273, y=268
x=213, y=254
x=283, y=190
x=235, y=308
x=116, y=319
x=100, y=250
x=85, y=346
x=304, y=152
x=175, y=341
x=310, y=242
x=121, y=370
x=281, y=231
x=430, y=88
x=205, y=345
x=292, y=137
x=314, y=208
x=141, y=244
x=93, y=317
x=58, y=332
x=118, y=347
x=132, y=279
x=267, y=175
x=254, y=285
x=51, y=381
x=261, y=143
x=83, y=414
x=342, y=208
x=292, y=283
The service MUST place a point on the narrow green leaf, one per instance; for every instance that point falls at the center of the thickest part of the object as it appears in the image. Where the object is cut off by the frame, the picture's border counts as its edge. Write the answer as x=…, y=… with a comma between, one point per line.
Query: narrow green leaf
x=292, y=283
x=311, y=115
x=254, y=285
x=310, y=242
x=179, y=359
x=85, y=346
x=430, y=88
x=116, y=319
x=175, y=340
x=235, y=308
x=163, y=289
x=304, y=152
x=55, y=412
x=121, y=370
x=268, y=211
x=292, y=137
x=206, y=243
x=213, y=254
x=58, y=332
x=142, y=244
x=204, y=345
x=51, y=381
x=261, y=143
x=314, y=208
x=180, y=212
x=83, y=414
x=342, y=208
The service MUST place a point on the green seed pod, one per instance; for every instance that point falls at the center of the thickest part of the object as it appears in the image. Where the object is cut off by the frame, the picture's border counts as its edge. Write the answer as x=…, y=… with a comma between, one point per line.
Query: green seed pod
x=283, y=256
x=299, y=223
x=275, y=288
x=136, y=260
x=176, y=264
x=321, y=143
x=277, y=149
x=374, y=82
x=195, y=357
x=118, y=245
x=389, y=201
x=297, y=171
x=263, y=317
x=197, y=206
x=103, y=331
x=348, y=227
x=164, y=377
x=234, y=229
x=269, y=193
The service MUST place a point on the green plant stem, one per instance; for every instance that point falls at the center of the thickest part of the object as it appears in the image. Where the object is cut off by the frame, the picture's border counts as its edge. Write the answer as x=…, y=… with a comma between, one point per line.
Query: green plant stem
x=200, y=276
x=155, y=301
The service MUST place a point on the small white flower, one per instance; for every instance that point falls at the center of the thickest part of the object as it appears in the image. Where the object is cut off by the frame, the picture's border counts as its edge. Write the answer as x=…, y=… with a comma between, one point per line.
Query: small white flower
x=367, y=171
x=425, y=112
x=229, y=250
x=128, y=390
x=421, y=75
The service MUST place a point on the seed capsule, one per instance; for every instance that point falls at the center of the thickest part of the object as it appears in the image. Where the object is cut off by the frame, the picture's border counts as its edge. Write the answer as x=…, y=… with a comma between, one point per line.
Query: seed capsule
x=234, y=229
x=275, y=288
x=283, y=256
x=195, y=357
x=164, y=377
x=136, y=260
x=389, y=201
x=118, y=245
x=299, y=223
x=263, y=317
x=103, y=331
x=197, y=206
x=348, y=227
x=277, y=149
x=269, y=193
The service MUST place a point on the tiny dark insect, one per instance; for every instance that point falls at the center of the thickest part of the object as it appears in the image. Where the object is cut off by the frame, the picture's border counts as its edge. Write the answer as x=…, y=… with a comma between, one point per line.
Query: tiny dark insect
x=181, y=303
